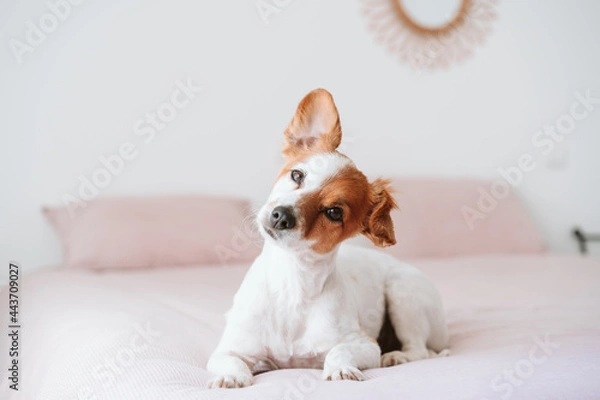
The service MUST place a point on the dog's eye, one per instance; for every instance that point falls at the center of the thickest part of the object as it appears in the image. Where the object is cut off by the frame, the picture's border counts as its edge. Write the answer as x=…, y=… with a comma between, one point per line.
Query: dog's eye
x=297, y=176
x=335, y=214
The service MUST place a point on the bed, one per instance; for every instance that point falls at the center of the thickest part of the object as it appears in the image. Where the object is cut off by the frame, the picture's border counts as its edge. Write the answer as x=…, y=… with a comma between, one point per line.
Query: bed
x=137, y=306
x=521, y=327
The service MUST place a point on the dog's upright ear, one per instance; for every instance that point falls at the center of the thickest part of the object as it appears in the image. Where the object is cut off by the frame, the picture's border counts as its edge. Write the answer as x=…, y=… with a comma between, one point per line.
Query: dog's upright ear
x=378, y=226
x=315, y=126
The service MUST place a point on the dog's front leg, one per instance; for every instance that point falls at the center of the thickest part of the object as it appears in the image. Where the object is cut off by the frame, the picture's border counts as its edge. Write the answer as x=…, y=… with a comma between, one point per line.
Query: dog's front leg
x=231, y=371
x=345, y=360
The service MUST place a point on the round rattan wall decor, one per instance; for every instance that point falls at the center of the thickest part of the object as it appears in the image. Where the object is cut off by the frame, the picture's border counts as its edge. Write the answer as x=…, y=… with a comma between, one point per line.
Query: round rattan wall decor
x=430, y=34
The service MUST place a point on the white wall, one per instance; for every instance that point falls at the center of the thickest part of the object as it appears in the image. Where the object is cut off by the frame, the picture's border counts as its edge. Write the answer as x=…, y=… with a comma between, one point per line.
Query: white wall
x=77, y=96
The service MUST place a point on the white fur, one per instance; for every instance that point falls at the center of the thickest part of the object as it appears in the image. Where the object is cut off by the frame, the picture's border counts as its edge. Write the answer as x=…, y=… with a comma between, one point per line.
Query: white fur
x=299, y=309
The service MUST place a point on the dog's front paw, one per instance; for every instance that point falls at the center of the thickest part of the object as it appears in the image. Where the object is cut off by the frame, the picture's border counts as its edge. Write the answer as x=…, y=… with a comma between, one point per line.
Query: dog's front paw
x=343, y=373
x=394, y=358
x=229, y=381
x=402, y=357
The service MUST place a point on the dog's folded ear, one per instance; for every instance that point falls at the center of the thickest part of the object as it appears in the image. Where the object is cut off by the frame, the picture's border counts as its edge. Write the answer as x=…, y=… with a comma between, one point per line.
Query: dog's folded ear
x=379, y=227
x=315, y=126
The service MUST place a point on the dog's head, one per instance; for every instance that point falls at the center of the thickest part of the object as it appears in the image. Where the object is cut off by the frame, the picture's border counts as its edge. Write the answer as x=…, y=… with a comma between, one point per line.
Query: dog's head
x=320, y=198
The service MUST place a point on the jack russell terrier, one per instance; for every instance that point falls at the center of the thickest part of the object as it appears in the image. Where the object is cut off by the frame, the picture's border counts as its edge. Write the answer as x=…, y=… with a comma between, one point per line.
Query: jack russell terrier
x=309, y=302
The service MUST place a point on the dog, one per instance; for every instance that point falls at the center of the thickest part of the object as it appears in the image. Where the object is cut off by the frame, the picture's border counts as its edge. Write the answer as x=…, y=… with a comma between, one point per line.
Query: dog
x=308, y=301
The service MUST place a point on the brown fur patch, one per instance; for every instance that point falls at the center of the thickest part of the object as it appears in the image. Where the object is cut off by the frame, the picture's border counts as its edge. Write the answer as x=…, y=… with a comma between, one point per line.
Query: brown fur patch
x=349, y=190
x=379, y=227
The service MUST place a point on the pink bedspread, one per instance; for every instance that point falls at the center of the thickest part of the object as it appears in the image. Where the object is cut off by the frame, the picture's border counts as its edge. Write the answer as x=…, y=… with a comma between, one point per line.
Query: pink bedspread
x=522, y=327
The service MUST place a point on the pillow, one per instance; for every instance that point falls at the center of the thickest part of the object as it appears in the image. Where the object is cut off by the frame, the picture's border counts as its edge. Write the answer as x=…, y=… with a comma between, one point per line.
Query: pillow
x=156, y=231
x=458, y=217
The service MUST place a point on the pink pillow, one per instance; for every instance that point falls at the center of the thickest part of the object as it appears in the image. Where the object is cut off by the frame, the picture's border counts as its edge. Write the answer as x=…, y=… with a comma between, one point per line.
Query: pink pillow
x=156, y=231
x=445, y=217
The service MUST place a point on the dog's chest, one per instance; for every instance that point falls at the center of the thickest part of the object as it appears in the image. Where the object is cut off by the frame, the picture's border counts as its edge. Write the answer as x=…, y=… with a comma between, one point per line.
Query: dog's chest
x=300, y=337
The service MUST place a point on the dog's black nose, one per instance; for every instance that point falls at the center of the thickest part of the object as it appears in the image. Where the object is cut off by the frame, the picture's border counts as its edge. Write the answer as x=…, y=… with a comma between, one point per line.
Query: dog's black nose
x=282, y=218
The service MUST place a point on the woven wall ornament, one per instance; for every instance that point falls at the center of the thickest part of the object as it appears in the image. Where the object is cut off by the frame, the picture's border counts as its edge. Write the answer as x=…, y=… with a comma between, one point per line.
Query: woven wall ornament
x=425, y=45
